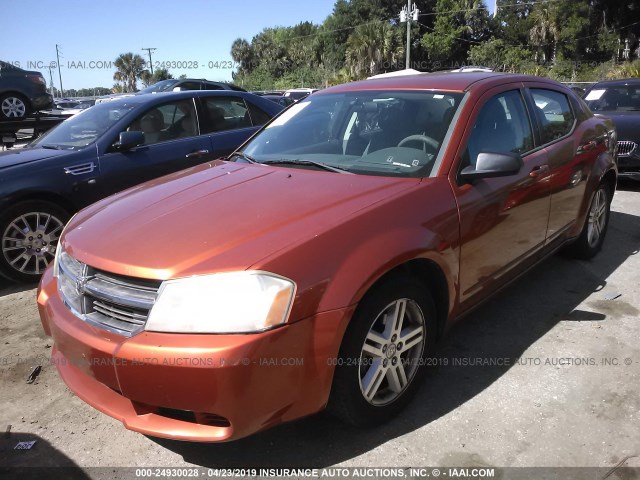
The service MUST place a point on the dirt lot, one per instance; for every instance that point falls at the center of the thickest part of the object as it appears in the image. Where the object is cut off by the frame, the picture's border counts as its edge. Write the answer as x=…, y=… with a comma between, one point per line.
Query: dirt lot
x=572, y=399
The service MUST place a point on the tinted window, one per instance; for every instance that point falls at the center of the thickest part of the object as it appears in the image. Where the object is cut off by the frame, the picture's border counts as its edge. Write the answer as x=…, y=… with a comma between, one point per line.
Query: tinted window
x=553, y=113
x=212, y=86
x=189, y=85
x=167, y=122
x=226, y=113
x=502, y=126
x=258, y=117
x=612, y=99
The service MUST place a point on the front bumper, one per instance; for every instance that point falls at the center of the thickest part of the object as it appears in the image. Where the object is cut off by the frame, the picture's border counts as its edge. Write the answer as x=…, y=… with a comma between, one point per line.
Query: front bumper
x=195, y=387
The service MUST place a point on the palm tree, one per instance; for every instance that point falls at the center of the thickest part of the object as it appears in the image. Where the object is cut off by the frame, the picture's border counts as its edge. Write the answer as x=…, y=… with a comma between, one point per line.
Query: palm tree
x=373, y=47
x=129, y=68
x=545, y=31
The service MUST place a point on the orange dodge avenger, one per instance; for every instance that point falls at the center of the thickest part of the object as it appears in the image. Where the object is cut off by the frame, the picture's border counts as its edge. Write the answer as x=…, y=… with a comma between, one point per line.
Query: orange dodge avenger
x=320, y=263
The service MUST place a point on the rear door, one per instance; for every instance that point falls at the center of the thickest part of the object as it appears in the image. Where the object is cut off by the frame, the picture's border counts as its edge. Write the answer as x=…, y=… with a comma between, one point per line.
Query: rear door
x=229, y=122
x=503, y=221
x=172, y=143
x=572, y=149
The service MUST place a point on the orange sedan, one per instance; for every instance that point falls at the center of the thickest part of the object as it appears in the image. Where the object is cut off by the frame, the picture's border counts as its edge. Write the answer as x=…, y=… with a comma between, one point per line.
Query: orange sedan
x=319, y=265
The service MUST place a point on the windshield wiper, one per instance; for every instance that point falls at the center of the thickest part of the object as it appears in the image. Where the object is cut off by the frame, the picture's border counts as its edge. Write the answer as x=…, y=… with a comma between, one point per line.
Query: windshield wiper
x=52, y=147
x=248, y=158
x=323, y=166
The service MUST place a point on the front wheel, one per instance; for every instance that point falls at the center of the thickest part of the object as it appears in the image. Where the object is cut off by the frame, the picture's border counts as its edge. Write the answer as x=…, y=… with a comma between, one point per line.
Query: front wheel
x=595, y=228
x=29, y=237
x=383, y=353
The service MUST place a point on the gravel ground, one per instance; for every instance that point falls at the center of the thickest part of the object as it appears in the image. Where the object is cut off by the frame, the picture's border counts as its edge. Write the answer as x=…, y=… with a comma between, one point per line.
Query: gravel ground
x=570, y=400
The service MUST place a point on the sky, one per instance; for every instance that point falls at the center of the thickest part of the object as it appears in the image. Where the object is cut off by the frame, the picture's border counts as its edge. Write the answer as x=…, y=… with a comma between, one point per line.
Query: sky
x=195, y=36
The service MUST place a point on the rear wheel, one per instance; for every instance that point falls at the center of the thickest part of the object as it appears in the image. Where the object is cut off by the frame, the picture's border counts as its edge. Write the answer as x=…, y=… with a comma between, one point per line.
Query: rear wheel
x=13, y=107
x=29, y=237
x=382, y=354
x=595, y=228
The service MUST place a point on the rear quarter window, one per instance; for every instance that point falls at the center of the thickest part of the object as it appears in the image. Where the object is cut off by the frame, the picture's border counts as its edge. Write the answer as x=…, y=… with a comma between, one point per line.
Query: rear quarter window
x=554, y=114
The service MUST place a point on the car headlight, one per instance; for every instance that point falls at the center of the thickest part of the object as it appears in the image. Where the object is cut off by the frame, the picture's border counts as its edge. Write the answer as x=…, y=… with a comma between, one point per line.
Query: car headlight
x=234, y=302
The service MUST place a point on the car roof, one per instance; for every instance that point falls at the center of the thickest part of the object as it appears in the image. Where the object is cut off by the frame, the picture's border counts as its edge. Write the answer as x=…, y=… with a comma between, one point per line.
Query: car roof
x=617, y=83
x=444, y=81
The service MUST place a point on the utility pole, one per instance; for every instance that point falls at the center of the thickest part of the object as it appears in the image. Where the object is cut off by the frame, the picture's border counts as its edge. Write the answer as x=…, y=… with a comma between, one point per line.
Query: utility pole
x=59, y=74
x=149, y=50
x=407, y=14
x=51, y=79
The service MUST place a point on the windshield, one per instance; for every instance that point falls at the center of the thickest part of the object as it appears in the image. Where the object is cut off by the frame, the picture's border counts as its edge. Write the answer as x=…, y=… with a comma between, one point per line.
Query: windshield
x=614, y=99
x=366, y=132
x=84, y=128
x=159, y=87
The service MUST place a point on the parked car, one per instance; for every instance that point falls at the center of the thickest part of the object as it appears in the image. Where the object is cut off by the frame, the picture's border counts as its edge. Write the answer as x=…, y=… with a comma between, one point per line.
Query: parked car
x=620, y=101
x=279, y=99
x=21, y=92
x=321, y=262
x=175, y=85
x=105, y=149
x=299, y=93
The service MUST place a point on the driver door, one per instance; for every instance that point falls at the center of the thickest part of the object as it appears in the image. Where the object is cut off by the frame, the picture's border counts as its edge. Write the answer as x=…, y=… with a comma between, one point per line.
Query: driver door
x=172, y=143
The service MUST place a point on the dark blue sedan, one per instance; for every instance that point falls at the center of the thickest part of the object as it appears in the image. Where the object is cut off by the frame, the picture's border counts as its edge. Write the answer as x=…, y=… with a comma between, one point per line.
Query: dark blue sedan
x=105, y=149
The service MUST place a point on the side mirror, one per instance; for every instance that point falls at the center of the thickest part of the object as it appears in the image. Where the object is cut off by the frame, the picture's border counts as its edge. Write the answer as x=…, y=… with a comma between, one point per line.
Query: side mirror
x=491, y=164
x=129, y=140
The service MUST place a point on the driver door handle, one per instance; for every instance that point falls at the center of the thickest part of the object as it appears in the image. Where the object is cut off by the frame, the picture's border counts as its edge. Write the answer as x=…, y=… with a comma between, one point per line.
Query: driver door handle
x=539, y=171
x=196, y=154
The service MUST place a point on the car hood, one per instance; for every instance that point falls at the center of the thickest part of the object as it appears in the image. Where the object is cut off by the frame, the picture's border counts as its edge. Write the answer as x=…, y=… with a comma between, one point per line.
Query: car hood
x=19, y=156
x=218, y=217
x=627, y=124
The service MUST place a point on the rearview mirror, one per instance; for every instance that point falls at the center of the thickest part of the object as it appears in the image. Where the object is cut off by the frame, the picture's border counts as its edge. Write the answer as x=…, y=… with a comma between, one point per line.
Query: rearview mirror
x=129, y=140
x=492, y=164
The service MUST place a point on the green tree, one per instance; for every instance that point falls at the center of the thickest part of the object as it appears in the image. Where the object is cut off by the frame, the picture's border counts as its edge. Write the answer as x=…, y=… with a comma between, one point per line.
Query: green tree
x=129, y=69
x=158, y=75
x=372, y=48
x=458, y=25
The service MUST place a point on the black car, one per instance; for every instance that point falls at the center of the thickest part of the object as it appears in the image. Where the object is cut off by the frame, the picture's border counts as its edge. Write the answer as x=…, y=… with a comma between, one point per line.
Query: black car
x=107, y=148
x=21, y=92
x=176, y=85
x=284, y=101
x=620, y=101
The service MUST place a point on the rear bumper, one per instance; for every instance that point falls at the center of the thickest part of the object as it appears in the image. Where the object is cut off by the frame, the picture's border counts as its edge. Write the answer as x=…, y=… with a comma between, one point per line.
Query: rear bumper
x=195, y=387
x=41, y=102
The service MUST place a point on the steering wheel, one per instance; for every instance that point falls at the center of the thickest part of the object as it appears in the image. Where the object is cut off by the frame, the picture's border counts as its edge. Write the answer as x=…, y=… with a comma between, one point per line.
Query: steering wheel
x=421, y=138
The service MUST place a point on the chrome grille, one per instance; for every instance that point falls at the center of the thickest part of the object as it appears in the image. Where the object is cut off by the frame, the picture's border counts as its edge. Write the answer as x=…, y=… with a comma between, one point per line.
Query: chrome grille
x=116, y=303
x=626, y=148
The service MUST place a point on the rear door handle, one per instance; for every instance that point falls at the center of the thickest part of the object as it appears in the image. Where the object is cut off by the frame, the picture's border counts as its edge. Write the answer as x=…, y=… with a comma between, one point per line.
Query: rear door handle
x=539, y=171
x=196, y=154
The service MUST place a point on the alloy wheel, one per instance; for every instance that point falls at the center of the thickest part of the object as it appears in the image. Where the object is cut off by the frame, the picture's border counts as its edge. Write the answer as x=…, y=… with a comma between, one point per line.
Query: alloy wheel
x=597, y=217
x=392, y=352
x=29, y=242
x=13, y=107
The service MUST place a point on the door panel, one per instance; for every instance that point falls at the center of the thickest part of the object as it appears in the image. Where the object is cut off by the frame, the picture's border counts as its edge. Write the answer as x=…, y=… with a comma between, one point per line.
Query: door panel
x=569, y=162
x=172, y=143
x=503, y=221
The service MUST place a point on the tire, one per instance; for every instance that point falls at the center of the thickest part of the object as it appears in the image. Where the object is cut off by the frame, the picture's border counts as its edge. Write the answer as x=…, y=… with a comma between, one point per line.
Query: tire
x=595, y=227
x=13, y=107
x=369, y=386
x=29, y=234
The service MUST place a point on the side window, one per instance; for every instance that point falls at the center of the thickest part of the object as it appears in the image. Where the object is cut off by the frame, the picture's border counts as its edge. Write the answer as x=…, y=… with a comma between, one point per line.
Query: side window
x=167, y=122
x=553, y=113
x=226, y=113
x=502, y=126
x=188, y=86
x=212, y=86
x=258, y=116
